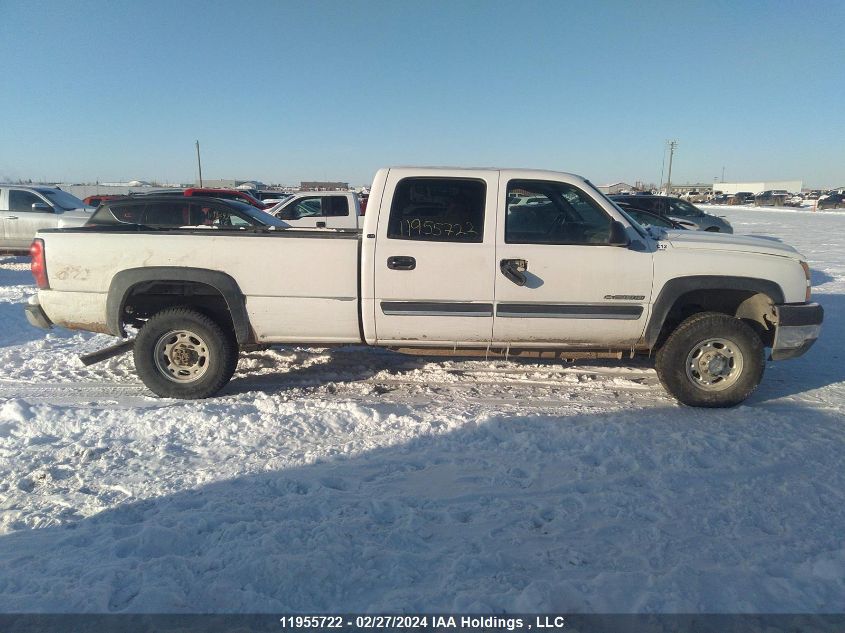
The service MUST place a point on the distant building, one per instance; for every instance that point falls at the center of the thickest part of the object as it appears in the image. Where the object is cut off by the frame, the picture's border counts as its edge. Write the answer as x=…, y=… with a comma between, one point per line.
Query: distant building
x=793, y=186
x=679, y=190
x=231, y=184
x=323, y=186
x=617, y=187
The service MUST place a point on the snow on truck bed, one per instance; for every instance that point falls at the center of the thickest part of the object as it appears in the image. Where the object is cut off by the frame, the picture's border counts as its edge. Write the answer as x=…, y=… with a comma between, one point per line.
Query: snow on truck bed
x=360, y=480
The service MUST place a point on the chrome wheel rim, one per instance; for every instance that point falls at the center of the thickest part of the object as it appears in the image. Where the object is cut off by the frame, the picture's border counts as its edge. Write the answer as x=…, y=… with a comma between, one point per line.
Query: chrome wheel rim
x=714, y=364
x=181, y=356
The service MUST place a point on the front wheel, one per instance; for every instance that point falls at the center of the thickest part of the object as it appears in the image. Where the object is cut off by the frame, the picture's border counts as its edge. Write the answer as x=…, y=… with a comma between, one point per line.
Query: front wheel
x=181, y=353
x=711, y=360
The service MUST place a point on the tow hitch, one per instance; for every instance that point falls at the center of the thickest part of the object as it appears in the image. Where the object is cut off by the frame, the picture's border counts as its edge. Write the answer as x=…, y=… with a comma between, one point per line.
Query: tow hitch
x=108, y=352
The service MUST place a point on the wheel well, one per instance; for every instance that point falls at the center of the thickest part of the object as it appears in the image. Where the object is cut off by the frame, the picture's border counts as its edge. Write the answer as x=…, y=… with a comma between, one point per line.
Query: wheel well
x=146, y=298
x=754, y=308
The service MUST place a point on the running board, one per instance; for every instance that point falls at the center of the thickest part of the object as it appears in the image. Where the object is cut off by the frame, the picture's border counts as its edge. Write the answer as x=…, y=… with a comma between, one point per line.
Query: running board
x=564, y=355
x=106, y=353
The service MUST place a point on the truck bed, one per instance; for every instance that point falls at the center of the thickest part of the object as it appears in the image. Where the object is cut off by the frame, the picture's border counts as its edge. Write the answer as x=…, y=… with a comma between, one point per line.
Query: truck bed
x=306, y=290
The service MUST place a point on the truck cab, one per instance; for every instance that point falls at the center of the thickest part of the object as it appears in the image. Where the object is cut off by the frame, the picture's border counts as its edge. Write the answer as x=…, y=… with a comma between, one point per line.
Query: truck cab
x=320, y=210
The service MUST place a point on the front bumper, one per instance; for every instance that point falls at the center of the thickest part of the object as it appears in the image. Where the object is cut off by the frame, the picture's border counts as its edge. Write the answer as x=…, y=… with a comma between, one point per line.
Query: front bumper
x=36, y=316
x=798, y=327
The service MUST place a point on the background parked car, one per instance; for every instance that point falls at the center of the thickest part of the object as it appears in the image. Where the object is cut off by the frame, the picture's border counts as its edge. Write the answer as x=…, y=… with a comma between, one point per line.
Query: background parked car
x=678, y=210
x=695, y=196
x=794, y=200
x=168, y=211
x=26, y=210
x=831, y=201
x=647, y=218
x=271, y=197
x=94, y=201
x=771, y=198
x=226, y=194
x=742, y=197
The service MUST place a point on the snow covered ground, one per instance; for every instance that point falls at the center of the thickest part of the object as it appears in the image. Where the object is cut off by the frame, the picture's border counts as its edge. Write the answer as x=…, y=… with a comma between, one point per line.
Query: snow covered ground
x=360, y=480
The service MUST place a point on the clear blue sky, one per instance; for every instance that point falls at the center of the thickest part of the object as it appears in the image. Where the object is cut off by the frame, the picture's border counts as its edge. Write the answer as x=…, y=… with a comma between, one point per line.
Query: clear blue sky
x=287, y=91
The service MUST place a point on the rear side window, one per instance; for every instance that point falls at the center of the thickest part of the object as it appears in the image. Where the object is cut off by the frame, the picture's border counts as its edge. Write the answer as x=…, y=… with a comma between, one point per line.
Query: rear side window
x=335, y=206
x=646, y=204
x=438, y=210
x=176, y=213
x=115, y=214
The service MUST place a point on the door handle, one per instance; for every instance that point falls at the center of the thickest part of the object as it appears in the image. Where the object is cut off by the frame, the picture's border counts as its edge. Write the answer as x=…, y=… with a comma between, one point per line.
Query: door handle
x=401, y=262
x=514, y=269
x=321, y=225
x=11, y=217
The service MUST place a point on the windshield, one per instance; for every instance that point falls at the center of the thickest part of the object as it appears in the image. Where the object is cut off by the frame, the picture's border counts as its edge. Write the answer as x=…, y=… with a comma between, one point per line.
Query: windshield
x=62, y=199
x=683, y=209
x=637, y=226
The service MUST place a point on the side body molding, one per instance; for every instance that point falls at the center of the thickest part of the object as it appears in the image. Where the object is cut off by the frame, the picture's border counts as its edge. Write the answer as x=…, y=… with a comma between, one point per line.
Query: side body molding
x=125, y=280
x=675, y=288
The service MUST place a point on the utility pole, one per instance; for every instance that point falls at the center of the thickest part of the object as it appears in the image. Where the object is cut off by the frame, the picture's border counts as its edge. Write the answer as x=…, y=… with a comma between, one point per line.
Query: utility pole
x=672, y=146
x=723, y=173
x=199, y=162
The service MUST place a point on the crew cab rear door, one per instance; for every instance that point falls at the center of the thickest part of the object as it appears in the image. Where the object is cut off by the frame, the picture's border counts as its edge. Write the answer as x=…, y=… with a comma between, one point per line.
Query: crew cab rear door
x=434, y=257
x=558, y=283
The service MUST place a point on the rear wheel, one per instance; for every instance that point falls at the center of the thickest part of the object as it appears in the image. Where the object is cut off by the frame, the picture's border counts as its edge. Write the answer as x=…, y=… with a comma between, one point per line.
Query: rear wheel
x=182, y=353
x=711, y=360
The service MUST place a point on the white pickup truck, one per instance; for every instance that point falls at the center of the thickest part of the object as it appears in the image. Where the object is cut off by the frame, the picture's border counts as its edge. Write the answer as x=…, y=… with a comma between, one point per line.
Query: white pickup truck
x=319, y=210
x=445, y=263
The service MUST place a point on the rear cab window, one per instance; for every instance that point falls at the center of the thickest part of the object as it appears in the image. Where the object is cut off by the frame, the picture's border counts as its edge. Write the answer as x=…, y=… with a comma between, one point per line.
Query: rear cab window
x=438, y=210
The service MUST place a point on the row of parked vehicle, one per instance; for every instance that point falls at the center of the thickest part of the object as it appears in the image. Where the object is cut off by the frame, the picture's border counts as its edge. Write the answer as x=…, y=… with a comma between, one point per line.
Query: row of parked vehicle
x=26, y=209
x=780, y=198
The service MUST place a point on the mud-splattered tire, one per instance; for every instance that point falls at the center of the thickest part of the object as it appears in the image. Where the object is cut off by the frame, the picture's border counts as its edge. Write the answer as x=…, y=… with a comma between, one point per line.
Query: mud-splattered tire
x=711, y=360
x=181, y=353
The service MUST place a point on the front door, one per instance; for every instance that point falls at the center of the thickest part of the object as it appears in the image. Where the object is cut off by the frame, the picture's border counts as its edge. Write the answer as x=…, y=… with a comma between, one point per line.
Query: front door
x=434, y=258
x=578, y=290
x=22, y=222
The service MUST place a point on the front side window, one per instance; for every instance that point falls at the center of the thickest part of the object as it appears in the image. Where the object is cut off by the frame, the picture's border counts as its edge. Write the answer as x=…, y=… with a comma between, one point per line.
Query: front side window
x=311, y=207
x=22, y=201
x=204, y=214
x=438, y=210
x=553, y=213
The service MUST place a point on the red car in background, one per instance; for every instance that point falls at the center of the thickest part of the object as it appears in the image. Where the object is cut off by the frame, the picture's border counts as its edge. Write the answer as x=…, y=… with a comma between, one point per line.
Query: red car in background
x=228, y=194
x=94, y=201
